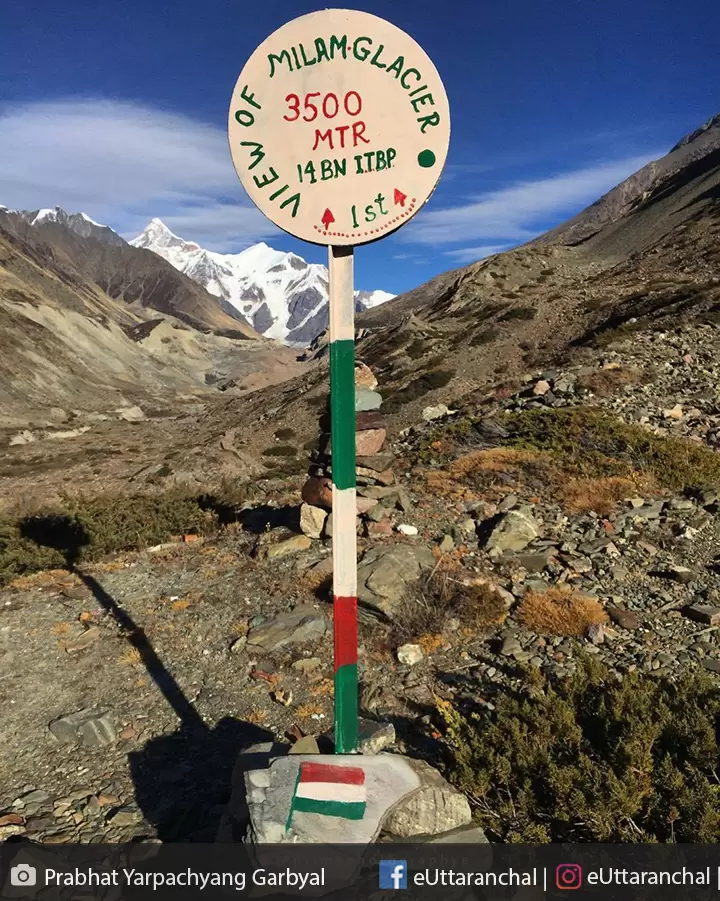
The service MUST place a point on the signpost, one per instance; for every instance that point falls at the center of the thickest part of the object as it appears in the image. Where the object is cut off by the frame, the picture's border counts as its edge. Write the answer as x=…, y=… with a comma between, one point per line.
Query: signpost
x=339, y=128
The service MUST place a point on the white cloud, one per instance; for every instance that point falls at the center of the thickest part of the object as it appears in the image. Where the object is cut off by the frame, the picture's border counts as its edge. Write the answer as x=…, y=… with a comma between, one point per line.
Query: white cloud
x=123, y=163
x=519, y=212
x=473, y=254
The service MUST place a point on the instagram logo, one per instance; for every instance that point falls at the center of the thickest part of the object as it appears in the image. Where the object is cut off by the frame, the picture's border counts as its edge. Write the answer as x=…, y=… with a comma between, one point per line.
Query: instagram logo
x=568, y=876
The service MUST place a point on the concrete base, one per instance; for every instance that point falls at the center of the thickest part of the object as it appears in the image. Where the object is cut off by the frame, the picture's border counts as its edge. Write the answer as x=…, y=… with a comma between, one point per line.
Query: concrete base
x=404, y=800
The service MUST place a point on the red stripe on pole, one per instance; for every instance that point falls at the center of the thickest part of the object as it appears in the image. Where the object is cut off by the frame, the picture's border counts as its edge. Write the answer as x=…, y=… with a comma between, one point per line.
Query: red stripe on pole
x=324, y=772
x=345, y=613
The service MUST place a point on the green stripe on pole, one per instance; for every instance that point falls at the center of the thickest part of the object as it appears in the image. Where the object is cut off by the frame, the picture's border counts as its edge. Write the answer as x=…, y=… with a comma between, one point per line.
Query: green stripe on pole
x=342, y=412
x=346, y=709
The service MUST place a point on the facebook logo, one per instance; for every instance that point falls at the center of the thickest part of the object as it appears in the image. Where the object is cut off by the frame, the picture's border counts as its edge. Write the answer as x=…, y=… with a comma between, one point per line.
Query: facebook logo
x=393, y=874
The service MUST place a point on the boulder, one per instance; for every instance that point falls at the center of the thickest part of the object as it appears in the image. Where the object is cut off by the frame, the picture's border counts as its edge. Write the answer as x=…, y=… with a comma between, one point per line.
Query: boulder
x=436, y=807
x=410, y=654
x=626, y=619
x=384, y=573
x=317, y=492
x=301, y=625
x=366, y=400
x=437, y=412
x=512, y=531
x=365, y=505
x=84, y=727
x=375, y=462
x=378, y=529
x=369, y=442
x=704, y=613
x=312, y=520
x=289, y=546
x=364, y=377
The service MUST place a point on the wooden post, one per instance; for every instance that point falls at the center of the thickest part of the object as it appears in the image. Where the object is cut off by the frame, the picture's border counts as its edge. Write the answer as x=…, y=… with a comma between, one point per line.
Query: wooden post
x=344, y=537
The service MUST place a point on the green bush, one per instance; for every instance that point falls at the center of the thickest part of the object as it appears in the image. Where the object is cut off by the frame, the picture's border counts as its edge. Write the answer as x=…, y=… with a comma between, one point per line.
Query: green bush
x=280, y=450
x=522, y=313
x=417, y=348
x=593, y=759
x=90, y=529
x=595, y=443
x=428, y=381
x=285, y=434
x=487, y=336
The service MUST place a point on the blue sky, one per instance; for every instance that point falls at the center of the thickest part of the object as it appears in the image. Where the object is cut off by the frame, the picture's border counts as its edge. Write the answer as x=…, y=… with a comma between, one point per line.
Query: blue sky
x=120, y=110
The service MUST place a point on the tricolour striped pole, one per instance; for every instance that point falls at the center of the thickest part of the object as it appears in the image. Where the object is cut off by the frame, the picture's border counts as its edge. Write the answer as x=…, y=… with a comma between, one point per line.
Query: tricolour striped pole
x=344, y=538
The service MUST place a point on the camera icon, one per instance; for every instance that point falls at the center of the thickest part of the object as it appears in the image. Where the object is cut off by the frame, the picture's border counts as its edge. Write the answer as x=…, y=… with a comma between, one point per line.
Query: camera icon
x=568, y=876
x=23, y=875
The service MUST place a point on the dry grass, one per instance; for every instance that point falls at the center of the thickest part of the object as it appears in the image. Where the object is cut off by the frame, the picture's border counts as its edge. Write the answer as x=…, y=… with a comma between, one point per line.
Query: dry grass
x=131, y=657
x=451, y=593
x=431, y=642
x=605, y=382
x=49, y=578
x=597, y=495
x=476, y=474
x=560, y=611
x=305, y=711
x=257, y=717
x=323, y=688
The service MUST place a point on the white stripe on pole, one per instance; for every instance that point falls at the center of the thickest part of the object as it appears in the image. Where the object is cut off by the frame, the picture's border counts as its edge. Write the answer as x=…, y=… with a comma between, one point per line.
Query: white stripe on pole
x=342, y=301
x=344, y=543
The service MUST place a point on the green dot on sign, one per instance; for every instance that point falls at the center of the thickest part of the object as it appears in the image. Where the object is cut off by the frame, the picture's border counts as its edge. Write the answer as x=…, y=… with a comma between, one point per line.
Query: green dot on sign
x=426, y=158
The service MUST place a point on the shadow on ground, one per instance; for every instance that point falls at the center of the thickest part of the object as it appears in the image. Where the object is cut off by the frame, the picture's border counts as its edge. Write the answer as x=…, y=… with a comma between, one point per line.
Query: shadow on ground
x=183, y=780
x=261, y=519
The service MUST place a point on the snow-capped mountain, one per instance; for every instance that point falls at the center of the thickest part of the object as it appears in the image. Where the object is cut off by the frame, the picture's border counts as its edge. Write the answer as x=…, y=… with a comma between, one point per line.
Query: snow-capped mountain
x=80, y=223
x=278, y=293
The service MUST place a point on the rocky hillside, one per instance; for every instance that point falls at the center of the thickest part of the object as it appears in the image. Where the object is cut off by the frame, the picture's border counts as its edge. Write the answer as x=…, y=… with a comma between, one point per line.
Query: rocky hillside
x=548, y=506
x=93, y=325
x=540, y=305
x=684, y=174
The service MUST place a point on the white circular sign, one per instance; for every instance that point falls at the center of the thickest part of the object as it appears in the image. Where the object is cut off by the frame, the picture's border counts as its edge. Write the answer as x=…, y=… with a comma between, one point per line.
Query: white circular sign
x=339, y=127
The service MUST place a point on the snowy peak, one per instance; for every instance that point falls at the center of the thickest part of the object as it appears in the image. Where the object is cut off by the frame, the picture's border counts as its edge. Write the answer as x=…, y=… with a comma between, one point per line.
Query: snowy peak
x=80, y=223
x=280, y=294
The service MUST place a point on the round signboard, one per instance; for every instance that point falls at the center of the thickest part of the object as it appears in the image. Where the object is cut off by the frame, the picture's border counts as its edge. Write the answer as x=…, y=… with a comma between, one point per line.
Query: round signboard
x=339, y=127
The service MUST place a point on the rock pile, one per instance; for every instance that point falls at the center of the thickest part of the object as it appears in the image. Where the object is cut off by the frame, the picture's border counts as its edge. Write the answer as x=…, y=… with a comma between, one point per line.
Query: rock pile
x=374, y=474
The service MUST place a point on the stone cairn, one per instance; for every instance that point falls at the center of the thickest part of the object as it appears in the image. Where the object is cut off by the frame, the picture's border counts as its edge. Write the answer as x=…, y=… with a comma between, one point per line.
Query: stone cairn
x=374, y=474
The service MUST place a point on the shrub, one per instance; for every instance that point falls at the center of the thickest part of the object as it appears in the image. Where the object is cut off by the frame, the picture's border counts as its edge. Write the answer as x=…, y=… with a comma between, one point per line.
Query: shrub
x=285, y=434
x=598, y=495
x=428, y=381
x=521, y=313
x=605, y=382
x=591, y=443
x=90, y=529
x=592, y=759
x=417, y=348
x=428, y=605
x=486, y=336
x=280, y=450
x=560, y=611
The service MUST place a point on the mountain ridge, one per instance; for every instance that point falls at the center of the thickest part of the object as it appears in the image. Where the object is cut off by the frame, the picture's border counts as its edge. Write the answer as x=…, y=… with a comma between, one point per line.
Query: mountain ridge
x=280, y=294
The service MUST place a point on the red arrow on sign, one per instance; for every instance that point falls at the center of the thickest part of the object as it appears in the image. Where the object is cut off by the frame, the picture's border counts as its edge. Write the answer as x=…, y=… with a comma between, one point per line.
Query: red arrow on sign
x=327, y=218
x=399, y=197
